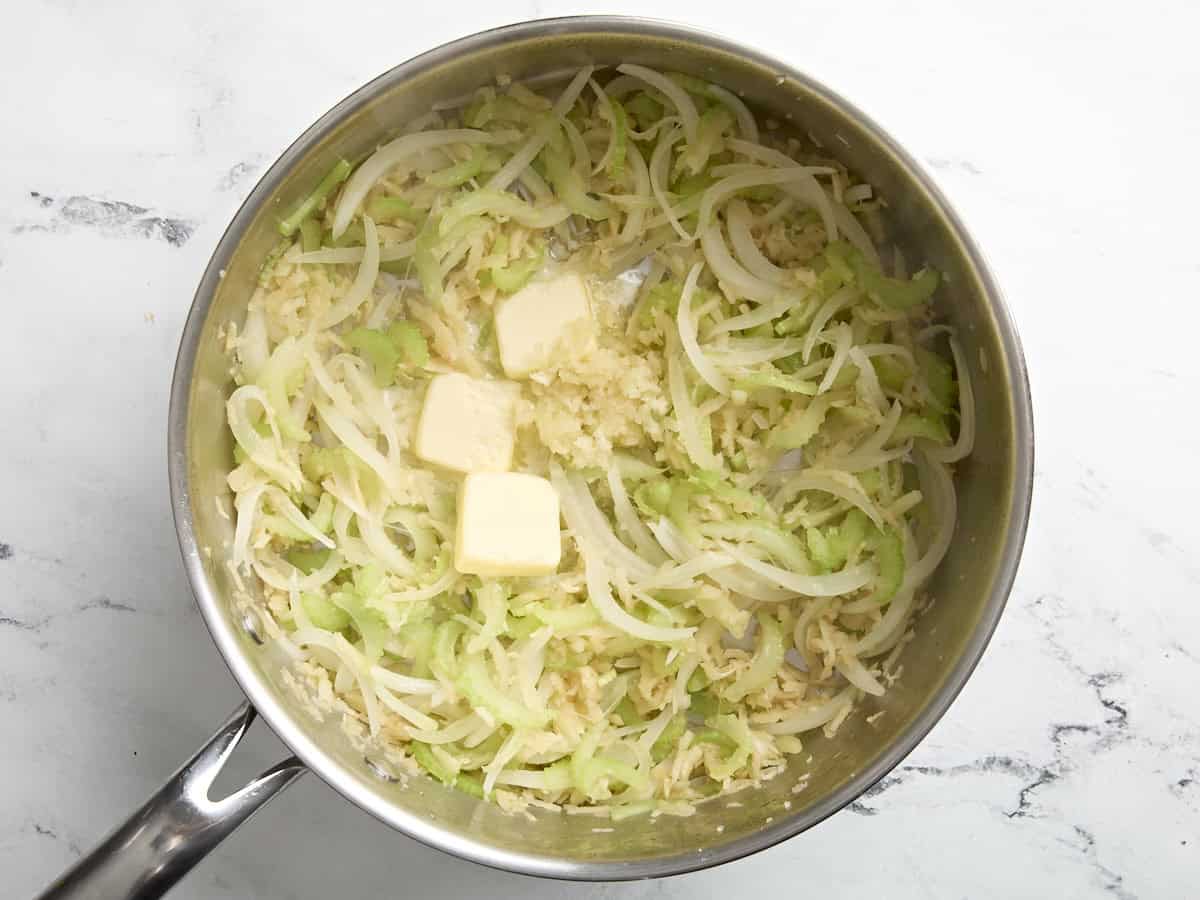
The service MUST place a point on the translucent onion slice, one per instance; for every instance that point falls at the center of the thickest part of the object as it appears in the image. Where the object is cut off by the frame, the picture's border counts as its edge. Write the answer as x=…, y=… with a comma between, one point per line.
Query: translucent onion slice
x=738, y=219
x=730, y=272
x=835, y=585
x=813, y=716
x=683, y=574
x=842, y=340
x=687, y=418
x=687, y=328
x=516, y=166
x=591, y=525
x=735, y=579
x=745, y=119
x=629, y=521
x=363, y=283
x=795, y=180
x=405, y=684
x=660, y=166
x=767, y=312
x=286, y=508
x=965, y=443
x=600, y=593
x=838, y=300
x=404, y=710
x=856, y=673
x=270, y=568
x=353, y=660
x=390, y=154
x=842, y=485
x=673, y=92
x=346, y=255
x=452, y=731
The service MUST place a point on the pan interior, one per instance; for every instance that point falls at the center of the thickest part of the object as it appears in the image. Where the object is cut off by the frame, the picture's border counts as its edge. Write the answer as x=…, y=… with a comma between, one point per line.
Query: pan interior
x=968, y=589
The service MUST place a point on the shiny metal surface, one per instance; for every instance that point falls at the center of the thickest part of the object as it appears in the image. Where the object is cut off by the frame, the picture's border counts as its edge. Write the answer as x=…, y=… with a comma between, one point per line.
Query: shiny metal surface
x=970, y=588
x=176, y=827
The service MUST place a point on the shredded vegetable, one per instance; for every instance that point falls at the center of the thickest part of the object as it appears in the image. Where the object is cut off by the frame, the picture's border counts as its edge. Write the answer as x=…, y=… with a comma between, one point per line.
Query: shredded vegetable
x=751, y=444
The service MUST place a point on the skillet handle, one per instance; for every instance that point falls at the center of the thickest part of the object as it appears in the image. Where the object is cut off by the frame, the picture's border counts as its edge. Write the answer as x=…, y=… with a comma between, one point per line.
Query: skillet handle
x=176, y=828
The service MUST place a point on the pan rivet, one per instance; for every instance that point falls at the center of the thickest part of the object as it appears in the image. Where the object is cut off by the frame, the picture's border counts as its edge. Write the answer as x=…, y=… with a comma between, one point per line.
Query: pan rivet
x=250, y=626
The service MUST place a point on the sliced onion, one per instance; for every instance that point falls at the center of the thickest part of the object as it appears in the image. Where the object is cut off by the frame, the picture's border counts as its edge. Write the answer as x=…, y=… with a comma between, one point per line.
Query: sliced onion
x=363, y=283
x=268, y=456
x=660, y=164
x=342, y=255
x=375, y=537
x=938, y=486
x=687, y=328
x=751, y=352
x=347, y=432
x=387, y=156
x=402, y=709
x=855, y=233
x=738, y=219
x=966, y=412
x=629, y=521
x=673, y=92
x=352, y=659
x=875, y=640
x=405, y=684
x=856, y=673
x=416, y=595
x=286, y=508
x=635, y=221
x=681, y=576
x=795, y=180
x=453, y=731
x=730, y=272
x=840, y=484
x=763, y=154
x=834, y=585
x=600, y=593
x=581, y=159
x=265, y=568
x=870, y=452
x=607, y=113
x=503, y=757
x=745, y=119
x=736, y=579
x=531, y=659
x=520, y=161
x=868, y=382
x=245, y=506
x=591, y=527
x=687, y=418
x=843, y=339
x=813, y=716
x=767, y=312
x=831, y=307
x=253, y=348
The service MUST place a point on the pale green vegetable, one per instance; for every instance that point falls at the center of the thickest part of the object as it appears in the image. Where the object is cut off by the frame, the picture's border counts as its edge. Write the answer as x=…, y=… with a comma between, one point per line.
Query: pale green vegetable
x=766, y=663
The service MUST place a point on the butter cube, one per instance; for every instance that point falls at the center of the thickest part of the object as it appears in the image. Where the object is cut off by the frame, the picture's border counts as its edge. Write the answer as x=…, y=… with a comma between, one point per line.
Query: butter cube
x=467, y=424
x=536, y=320
x=507, y=525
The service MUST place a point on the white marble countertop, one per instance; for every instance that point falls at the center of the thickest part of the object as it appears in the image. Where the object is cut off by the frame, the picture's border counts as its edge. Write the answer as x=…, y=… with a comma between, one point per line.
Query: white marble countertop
x=1065, y=133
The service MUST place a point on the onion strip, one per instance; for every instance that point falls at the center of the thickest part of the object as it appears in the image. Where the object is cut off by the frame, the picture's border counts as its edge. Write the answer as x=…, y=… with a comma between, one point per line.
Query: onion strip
x=686, y=326
x=389, y=155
